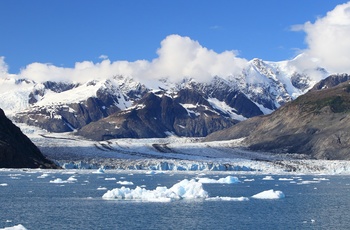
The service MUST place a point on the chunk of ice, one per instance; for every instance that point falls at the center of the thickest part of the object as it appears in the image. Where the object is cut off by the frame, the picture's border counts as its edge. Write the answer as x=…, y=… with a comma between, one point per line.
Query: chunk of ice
x=226, y=180
x=185, y=189
x=16, y=227
x=225, y=198
x=269, y=194
x=125, y=183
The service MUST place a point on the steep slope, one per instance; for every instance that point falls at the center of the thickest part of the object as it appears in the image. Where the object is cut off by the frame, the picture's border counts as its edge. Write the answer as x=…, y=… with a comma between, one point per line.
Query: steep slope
x=160, y=116
x=16, y=150
x=316, y=124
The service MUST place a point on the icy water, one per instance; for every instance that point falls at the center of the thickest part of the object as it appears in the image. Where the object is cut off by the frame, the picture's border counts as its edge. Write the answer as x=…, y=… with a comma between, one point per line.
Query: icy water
x=311, y=202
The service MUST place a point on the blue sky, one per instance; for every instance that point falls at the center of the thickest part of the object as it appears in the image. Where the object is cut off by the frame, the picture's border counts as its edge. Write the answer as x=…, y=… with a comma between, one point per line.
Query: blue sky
x=68, y=31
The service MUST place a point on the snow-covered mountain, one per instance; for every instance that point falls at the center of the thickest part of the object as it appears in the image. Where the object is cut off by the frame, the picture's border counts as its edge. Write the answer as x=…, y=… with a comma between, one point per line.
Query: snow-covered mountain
x=122, y=106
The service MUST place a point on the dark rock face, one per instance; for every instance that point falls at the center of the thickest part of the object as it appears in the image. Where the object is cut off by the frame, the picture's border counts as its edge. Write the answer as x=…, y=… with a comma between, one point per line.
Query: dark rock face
x=158, y=116
x=16, y=150
x=317, y=124
x=65, y=118
x=226, y=92
x=331, y=81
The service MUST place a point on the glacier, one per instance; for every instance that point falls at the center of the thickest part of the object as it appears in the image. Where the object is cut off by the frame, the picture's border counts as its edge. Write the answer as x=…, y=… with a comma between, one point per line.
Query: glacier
x=185, y=154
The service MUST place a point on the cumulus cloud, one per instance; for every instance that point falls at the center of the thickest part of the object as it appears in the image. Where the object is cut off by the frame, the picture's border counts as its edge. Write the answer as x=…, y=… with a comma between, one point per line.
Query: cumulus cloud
x=328, y=39
x=178, y=57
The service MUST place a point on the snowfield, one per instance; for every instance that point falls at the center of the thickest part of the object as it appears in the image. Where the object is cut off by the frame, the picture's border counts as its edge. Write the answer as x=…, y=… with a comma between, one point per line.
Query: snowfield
x=172, y=153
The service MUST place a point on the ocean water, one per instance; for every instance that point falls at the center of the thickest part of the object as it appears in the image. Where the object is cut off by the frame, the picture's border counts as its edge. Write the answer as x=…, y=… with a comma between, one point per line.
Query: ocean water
x=311, y=202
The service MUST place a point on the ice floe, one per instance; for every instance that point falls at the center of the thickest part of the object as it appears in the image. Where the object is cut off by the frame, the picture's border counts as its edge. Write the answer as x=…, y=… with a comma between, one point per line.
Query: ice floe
x=285, y=179
x=225, y=198
x=269, y=194
x=16, y=227
x=72, y=179
x=3, y=184
x=185, y=189
x=110, y=178
x=44, y=175
x=125, y=183
x=226, y=180
x=268, y=178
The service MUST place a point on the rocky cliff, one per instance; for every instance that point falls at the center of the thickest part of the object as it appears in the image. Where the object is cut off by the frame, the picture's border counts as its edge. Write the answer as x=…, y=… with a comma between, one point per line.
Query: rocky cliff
x=16, y=150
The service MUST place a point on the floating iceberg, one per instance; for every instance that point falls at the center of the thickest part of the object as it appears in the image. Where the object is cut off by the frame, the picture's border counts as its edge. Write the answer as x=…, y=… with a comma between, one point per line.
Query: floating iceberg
x=72, y=179
x=58, y=181
x=269, y=194
x=110, y=178
x=185, y=189
x=99, y=171
x=125, y=183
x=3, y=184
x=226, y=180
x=44, y=175
x=225, y=198
x=17, y=227
x=268, y=178
x=285, y=179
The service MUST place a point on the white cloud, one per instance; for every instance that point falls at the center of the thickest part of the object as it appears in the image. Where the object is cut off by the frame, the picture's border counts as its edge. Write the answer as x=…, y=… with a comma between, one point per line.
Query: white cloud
x=3, y=68
x=328, y=39
x=103, y=56
x=178, y=57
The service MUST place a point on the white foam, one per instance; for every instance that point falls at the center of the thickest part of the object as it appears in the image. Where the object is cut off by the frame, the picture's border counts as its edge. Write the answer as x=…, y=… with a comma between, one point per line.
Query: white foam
x=226, y=180
x=269, y=194
x=185, y=189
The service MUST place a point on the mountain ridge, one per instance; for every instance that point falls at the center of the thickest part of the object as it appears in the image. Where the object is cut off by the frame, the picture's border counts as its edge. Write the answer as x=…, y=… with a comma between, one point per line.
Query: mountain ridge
x=315, y=124
x=261, y=88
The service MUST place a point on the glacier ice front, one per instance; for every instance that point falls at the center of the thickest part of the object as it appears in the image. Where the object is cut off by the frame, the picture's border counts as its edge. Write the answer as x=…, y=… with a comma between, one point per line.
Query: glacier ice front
x=185, y=189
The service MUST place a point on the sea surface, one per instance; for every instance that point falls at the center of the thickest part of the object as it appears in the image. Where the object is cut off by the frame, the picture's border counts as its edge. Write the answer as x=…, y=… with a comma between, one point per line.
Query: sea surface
x=48, y=200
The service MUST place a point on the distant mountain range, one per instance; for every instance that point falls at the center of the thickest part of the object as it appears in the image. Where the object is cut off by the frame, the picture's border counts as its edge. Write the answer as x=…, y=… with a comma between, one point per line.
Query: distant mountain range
x=125, y=107
x=316, y=124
